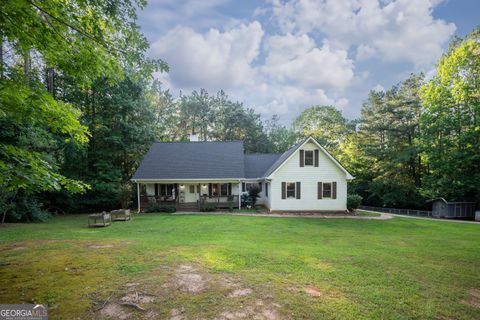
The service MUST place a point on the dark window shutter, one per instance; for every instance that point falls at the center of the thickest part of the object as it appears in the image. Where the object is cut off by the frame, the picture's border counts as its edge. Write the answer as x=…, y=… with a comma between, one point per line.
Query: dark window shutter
x=319, y=190
x=266, y=189
x=209, y=189
x=243, y=186
x=156, y=189
x=284, y=190
x=260, y=186
x=316, y=157
x=334, y=190
x=299, y=191
x=229, y=191
x=302, y=158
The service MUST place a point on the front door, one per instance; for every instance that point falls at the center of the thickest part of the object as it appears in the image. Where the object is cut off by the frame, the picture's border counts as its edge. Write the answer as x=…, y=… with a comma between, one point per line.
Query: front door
x=191, y=192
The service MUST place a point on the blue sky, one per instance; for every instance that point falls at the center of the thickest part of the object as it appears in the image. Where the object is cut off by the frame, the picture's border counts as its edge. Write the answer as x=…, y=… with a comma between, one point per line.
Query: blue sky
x=280, y=57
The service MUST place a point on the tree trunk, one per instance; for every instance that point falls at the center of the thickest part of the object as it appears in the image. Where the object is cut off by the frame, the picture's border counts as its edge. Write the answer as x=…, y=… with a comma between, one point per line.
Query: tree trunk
x=419, y=171
x=1, y=56
x=27, y=64
x=50, y=75
x=8, y=207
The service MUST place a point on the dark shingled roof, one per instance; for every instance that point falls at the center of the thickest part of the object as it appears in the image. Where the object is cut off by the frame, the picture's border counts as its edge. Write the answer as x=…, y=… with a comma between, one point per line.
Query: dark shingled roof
x=284, y=156
x=208, y=160
x=192, y=160
x=257, y=164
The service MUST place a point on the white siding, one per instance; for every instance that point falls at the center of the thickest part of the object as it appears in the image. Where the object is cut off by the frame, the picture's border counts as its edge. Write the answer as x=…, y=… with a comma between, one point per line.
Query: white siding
x=309, y=176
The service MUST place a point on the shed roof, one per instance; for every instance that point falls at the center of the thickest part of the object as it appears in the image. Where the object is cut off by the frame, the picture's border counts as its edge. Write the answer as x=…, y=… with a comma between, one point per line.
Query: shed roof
x=451, y=202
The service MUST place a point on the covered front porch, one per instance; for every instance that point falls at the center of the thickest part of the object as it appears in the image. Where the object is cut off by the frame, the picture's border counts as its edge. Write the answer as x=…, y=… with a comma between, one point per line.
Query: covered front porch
x=189, y=195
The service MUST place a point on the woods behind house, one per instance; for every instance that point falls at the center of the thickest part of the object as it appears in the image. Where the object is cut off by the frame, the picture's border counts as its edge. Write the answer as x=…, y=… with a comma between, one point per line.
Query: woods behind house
x=79, y=107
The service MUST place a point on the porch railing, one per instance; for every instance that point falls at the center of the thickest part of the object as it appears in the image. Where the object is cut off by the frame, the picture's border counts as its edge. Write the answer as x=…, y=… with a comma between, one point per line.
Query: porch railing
x=145, y=200
x=219, y=201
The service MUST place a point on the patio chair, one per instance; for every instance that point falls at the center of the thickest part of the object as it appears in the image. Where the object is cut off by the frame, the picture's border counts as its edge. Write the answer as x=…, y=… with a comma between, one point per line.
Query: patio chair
x=99, y=220
x=121, y=215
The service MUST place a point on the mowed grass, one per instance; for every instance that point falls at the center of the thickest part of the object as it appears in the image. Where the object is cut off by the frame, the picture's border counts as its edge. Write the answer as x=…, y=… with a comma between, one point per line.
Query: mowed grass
x=363, y=269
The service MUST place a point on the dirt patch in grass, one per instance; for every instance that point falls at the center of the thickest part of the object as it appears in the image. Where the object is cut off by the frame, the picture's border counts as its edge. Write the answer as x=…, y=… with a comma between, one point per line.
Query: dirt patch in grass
x=258, y=311
x=100, y=246
x=240, y=292
x=187, y=278
x=181, y=292
x=138, y=298
x=115, y=311
x=177, y=314
x=313, y=292
x=473, y=298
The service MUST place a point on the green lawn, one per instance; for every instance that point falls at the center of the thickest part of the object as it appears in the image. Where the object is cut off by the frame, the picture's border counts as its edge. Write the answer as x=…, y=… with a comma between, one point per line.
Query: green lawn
x=228, y=266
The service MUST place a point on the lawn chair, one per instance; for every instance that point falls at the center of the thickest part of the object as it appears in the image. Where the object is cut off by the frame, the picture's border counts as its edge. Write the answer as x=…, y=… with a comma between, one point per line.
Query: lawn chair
x=99, y=220
x=121, y=215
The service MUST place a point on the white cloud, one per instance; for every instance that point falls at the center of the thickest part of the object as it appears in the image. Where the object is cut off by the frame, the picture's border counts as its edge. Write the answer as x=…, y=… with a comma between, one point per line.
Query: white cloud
x=287, y=100
x=213, y=60
x=378, y=88
x=295, y=74
x=402, y=30
x=312, y=60
x=297, y=59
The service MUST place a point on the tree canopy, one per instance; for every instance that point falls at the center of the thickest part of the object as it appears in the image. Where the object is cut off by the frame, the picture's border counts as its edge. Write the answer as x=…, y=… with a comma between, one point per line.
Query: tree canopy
x=79, y=107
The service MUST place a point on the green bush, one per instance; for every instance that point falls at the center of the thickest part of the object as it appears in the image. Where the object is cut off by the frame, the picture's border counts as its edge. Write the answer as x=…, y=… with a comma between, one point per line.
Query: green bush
x=253, y=194
x=169, y=209
x=25, y=208
x=353, y=201
x=207, y=207
x=155, y=207
x=245, y=200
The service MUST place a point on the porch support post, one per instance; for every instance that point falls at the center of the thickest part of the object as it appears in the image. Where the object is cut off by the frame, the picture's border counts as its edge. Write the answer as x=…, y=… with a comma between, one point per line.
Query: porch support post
x=138, y=196
x=239, y=192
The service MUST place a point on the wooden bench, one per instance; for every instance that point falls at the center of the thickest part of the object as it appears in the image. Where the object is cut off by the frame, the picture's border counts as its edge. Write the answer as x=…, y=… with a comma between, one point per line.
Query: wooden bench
x=99, y=220
x=121, y=215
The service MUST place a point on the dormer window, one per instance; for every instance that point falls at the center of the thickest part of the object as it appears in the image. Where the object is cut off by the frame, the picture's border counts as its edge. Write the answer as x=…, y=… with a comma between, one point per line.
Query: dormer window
x=309, y=157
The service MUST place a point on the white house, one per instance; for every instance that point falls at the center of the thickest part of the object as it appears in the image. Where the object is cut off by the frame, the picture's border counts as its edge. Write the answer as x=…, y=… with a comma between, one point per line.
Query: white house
x=186, y=174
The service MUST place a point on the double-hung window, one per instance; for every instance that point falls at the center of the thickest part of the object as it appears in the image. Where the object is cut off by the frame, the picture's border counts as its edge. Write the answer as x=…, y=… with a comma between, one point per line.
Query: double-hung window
x=309, y=157
x=224, y=189
x=290, y=189
x=327, y=190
